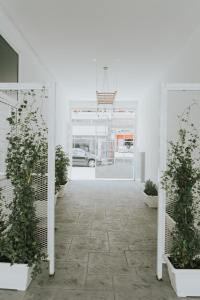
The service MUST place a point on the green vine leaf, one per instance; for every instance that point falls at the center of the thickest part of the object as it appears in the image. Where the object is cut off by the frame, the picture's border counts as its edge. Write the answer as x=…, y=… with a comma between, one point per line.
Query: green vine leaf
x=26, y=158
x=181, y=181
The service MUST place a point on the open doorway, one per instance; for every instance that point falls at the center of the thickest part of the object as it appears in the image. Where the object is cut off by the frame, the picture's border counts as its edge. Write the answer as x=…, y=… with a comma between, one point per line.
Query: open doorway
x=103, y=143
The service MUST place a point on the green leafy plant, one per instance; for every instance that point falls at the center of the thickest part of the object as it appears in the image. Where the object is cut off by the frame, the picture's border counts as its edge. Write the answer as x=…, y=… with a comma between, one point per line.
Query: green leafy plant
x=3, y=223
x=150, y=188
x=181, y=180
x=26, y=156
x=2, y=215
x=61, y=164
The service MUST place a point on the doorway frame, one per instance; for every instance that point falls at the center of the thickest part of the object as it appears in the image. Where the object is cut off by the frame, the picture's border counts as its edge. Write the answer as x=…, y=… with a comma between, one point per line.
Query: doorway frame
x=91, y=105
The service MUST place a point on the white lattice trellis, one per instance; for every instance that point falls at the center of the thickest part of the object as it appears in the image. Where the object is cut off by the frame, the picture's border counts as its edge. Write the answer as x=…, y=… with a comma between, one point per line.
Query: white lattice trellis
x=165, y=222
x=41, y=98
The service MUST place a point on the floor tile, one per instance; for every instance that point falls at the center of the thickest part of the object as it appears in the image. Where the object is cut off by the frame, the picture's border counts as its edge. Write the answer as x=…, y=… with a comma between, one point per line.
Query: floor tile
x=68, y=275
x=101, y=263
x=143, y=244
x=11, y=295
x=99, y=295
x=63, y=294
x=143, y=259
x=61, y=251
x=62, y=238
x=83, y=295
x=99, y=282
x=39, y=294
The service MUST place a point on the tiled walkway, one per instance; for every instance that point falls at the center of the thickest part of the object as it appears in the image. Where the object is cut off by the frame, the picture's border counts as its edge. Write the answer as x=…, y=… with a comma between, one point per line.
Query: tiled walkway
x=105, y=247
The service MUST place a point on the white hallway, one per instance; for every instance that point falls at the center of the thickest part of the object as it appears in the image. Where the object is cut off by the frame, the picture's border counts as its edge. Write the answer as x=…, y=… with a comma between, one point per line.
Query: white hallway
x=105, y=235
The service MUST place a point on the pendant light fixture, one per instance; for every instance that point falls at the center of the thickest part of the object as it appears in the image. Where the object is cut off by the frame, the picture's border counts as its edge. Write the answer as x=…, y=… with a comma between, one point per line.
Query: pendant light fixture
x=105, y=97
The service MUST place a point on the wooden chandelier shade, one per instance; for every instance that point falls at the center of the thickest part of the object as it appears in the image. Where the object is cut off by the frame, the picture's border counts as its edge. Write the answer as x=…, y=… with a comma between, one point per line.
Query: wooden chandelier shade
x=106, y=97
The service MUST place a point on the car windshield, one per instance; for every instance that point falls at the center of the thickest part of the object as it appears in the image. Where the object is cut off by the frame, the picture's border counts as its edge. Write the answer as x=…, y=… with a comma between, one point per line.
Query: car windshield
x=77, y=150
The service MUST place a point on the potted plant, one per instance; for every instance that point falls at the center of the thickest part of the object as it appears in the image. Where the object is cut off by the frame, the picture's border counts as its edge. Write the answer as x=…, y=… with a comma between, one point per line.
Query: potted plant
x=20, y=249
x=61, y=164
x=151, y=194
x=181, y=180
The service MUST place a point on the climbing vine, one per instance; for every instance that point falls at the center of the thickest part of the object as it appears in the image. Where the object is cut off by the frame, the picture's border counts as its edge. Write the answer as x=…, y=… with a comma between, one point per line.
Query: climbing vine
x=2, y=223
x=181, y=180
x=26, y=158
x=61, y=164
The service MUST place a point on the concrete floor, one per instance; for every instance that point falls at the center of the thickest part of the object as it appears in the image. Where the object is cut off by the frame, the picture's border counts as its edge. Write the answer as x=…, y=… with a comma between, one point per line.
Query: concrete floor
x=121, y=168
x=105, y=247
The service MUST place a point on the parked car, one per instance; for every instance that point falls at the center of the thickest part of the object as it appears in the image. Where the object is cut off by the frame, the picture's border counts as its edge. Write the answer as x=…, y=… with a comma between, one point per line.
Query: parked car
x=83, y=158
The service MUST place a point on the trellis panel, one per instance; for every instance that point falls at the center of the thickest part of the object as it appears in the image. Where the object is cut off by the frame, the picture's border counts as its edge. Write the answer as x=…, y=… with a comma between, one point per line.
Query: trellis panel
x=42, y=99
x=175, y=98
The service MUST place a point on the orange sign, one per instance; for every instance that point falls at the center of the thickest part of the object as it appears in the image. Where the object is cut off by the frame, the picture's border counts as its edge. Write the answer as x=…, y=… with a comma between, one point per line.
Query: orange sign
x=124, y=136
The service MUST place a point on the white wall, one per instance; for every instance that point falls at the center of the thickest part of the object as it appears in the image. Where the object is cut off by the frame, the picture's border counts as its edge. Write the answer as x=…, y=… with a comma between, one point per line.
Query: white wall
x=31, y=69
x=148, y=134
x=184, y=68
x=63, y=122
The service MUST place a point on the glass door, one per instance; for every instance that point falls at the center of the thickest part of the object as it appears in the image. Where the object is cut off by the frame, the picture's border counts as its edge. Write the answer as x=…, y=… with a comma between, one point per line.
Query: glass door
x=103, y=144
x=116, y=149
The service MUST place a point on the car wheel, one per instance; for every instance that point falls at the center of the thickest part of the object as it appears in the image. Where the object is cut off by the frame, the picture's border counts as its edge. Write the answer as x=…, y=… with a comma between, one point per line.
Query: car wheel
x=91, y=163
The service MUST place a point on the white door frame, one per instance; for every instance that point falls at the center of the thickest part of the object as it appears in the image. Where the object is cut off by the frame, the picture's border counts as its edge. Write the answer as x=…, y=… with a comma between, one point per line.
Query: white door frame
x=134, y=158
x=165, y=88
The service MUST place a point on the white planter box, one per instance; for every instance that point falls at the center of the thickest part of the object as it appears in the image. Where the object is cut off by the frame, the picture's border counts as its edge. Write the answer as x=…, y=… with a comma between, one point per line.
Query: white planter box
x=185, y=282
x=15, y=277
x=61, y=191
x=151, y=201
x=170, y=223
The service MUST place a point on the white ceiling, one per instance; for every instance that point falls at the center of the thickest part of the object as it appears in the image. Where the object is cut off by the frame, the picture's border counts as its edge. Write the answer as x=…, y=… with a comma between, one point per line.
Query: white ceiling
x=138, y=38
